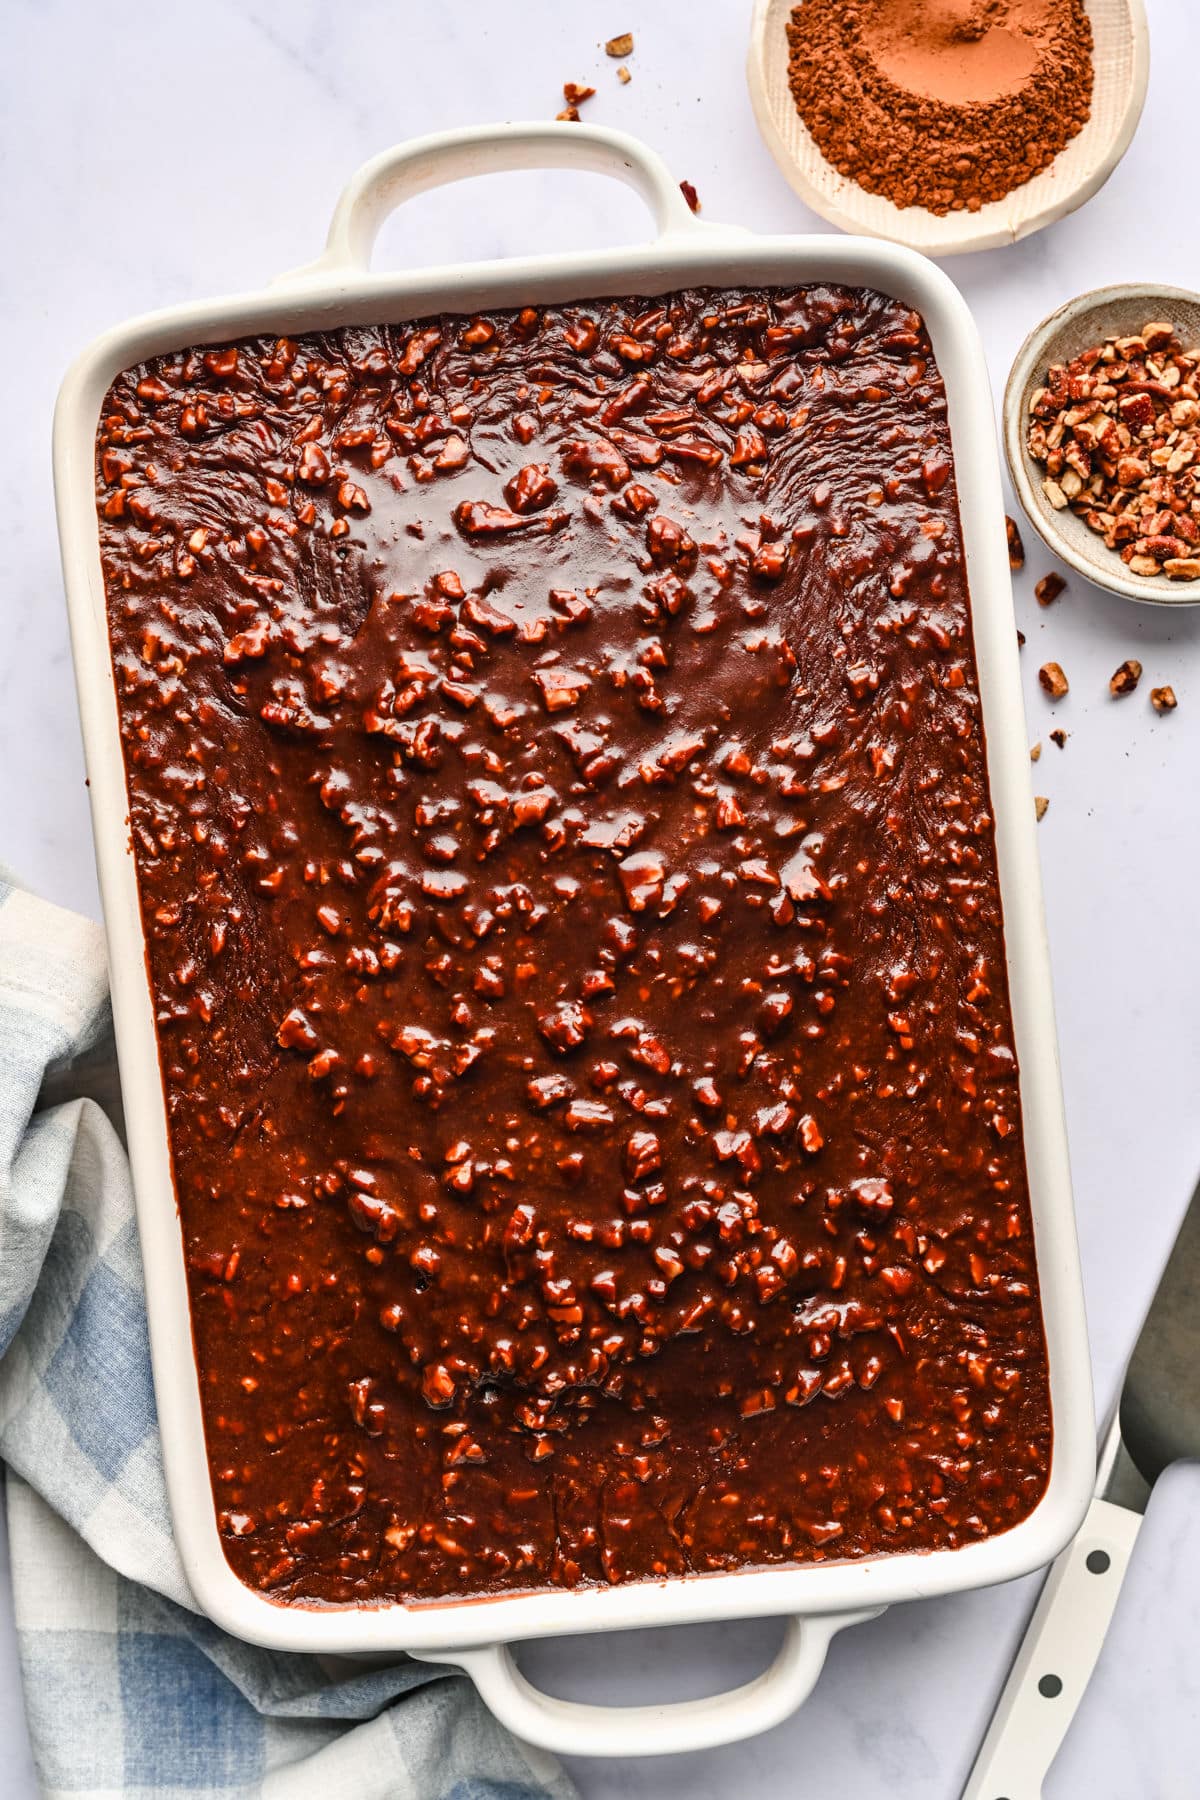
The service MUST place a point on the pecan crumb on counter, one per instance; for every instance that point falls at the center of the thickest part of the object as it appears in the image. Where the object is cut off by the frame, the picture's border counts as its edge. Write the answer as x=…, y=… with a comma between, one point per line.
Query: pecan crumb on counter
x=1016, y=549
x=690, y=195
x=1125, y=678
x=620, y=46
x=623, y=76
x=1035, y=753
x=1047, y=590
x=1162, y=699
x=1118, y=432
x=1040, y=804
x=574, y=93
x=1059, y=736
x=1053, y=680
x=560, y=809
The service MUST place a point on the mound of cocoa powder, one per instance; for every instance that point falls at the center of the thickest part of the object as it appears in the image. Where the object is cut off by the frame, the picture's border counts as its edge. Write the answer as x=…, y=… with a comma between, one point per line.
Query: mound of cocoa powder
x=944, y=104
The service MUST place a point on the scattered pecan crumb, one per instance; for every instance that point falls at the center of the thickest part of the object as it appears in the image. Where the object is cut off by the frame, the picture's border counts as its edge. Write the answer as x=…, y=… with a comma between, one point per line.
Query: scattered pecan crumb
x=1048, y=589
x=1059, y=736
x=1016, y=549
x=1126, y=678
x=570, y=113
x=623, y=76
x=620, y=46
x=574, y=93
x=1053, y=680
x=690, y=195
x=1020, y=639
x=1162, y=699
x=1040, y=803
x=1035, y=751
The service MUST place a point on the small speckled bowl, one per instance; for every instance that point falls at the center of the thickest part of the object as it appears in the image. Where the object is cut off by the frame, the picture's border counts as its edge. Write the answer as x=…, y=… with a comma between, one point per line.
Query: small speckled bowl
x=1104, y=312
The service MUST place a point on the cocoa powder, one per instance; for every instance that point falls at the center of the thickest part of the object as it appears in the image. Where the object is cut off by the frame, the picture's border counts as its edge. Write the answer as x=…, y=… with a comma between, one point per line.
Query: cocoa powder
x=945, y=104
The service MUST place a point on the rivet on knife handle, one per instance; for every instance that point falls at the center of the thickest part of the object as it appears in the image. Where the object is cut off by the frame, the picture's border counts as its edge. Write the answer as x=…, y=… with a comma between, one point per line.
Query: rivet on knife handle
x=1055, y=1662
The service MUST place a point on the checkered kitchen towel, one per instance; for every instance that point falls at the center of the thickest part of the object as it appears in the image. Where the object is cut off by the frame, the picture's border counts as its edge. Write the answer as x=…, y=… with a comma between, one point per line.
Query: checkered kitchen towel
x=129, y=1691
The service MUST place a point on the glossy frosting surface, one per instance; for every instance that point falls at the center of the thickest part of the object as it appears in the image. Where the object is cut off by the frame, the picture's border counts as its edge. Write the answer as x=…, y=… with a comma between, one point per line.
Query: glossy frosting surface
x=558, y=794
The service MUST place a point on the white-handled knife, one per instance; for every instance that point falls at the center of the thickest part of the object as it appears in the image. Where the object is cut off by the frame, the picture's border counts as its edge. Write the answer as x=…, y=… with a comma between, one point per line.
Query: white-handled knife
x=1158, y=1421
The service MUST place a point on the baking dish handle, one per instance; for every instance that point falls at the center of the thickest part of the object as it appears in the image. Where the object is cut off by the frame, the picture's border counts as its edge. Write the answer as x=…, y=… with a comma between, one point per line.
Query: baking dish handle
x=570, y=1728
x=398, y=174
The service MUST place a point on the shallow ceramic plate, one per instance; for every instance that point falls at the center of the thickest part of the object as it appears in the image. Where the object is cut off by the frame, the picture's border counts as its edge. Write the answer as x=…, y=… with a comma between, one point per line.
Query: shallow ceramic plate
x=1104, y=312
x=1122, y=63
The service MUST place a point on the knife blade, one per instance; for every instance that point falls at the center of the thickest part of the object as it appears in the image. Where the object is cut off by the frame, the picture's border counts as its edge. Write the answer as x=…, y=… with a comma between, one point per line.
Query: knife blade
x=1157, y=1421
x=1160, y=1401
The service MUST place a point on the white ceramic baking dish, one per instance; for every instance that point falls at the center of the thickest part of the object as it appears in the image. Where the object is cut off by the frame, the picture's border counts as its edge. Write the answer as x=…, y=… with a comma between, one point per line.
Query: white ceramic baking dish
x=819, y=1600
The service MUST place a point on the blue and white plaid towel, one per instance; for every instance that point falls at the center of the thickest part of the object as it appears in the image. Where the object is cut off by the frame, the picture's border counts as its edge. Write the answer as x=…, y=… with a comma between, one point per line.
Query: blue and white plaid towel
x=129, y=1691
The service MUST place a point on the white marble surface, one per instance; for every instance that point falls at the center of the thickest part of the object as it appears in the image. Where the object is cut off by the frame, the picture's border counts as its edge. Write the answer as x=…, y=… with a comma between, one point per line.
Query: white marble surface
x=169, y=152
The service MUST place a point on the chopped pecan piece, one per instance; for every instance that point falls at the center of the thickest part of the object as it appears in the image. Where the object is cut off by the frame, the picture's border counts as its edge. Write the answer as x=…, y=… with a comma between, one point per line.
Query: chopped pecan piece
x=476, y=518
x=1053, y=680
x=314, y=468
x=565, y=1026
x=643, y=1154
x=530, y=488
x=1125, y=678
x=561, y=688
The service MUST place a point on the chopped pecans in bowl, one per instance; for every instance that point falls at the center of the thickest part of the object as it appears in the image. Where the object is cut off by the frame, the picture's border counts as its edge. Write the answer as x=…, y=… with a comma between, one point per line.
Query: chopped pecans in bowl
x=1117, y=430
